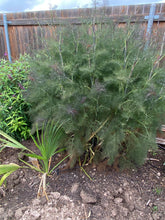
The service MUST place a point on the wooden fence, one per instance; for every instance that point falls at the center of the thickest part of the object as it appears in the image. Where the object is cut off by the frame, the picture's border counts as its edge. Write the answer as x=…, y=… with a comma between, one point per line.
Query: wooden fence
x=26, y=29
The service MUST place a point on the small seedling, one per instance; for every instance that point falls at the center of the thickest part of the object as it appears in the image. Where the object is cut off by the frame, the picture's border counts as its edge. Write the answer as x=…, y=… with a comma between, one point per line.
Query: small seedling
x=157, y=190
x=154, y=153
x=48, y=143
x=155, y=208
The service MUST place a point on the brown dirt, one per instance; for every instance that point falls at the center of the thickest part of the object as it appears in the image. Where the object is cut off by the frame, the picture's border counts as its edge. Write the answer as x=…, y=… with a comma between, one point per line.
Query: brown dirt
x=137, y=194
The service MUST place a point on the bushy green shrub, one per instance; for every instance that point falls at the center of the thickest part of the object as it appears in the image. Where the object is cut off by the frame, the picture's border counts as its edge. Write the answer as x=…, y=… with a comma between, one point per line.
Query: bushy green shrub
x=14, y=118
x=108, y=88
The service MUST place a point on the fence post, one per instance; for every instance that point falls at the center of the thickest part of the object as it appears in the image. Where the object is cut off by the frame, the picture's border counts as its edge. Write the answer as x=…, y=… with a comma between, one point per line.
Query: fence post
x=5, y=22
x=150, y=24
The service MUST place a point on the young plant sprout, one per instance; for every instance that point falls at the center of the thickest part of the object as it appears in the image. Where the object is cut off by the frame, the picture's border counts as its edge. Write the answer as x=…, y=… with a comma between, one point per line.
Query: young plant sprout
x=49, y=143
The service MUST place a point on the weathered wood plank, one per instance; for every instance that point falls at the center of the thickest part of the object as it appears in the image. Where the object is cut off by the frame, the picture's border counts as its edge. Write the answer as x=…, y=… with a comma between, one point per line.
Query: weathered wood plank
x=116, y=10
x=28, y=30
x=62, y=21
x=2, y=43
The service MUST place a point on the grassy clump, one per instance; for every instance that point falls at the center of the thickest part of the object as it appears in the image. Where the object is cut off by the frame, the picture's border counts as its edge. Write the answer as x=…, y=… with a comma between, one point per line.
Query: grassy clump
x=108, y=88
x=49, y=143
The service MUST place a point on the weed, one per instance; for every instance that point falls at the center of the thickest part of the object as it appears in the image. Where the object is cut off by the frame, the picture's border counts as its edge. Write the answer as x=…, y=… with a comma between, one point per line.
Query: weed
x=155, y=208
x=157, y=190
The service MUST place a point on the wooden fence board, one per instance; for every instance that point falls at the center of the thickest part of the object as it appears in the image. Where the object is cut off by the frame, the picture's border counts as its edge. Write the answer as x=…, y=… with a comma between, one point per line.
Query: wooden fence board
x=59, y=21
x=26, y=29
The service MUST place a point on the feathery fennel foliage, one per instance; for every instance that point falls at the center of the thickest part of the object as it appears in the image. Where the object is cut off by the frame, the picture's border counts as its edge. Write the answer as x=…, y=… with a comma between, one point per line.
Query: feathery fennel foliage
x=108, y=88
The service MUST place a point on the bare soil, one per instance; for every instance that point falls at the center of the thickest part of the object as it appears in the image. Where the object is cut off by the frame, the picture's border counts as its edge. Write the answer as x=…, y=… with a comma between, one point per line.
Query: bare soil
x=136, y=194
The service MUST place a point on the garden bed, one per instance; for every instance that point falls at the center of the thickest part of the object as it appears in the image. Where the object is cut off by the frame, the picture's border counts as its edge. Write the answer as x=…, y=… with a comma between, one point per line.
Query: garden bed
x=134, y=194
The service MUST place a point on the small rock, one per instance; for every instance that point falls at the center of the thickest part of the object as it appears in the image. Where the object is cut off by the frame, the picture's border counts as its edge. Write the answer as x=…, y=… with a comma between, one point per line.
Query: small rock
x=150, y=204
x=50, y=203
x=35, y=214
x=22, y=173
x=137, y=215
x=16, y=182
x=107, y=218
x=15, y=176
x=10, y=213
x=120, y=190
x=2, y=210
x=110, y=197
x=118, y=200
x=36, y=202
x=156, y=215
x=66, y=198
x=18, y=213
x=63, y=201
x=139, y=205
x=88, y=197
x=125, y=184
x=98, y=190
x=124, y=211
x=56, y=195
x=113, y=212
x=104, y=203
x=129, y=200
x=59, y=204
x=131, y=207
x=97, y=211
x=74, y=188
x=23, y=180
x=43, y=200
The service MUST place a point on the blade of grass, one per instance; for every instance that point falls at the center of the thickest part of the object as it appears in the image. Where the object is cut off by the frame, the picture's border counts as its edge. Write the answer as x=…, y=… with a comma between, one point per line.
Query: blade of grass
x=1, y=148
x=11, y=144
x=35, y=156
x=31, y=166
x=5, y=176
x=4, y=168
x=35, y=142
x=59, y=163
x=60, y=150
x=86, y=173
x=11, y=140
x=7, y=169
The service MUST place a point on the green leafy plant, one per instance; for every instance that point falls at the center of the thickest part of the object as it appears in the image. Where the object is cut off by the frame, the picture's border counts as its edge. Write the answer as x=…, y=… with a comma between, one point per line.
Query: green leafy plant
x=108, y=87
x=155, y=208
x=14, y=118
x=6, y=170
x=157, y=190
x=49, y=143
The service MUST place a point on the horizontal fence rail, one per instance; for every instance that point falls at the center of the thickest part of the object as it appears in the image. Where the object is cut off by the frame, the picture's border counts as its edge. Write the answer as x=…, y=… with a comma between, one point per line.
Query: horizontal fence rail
x=58, y=21
x=26, y=29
